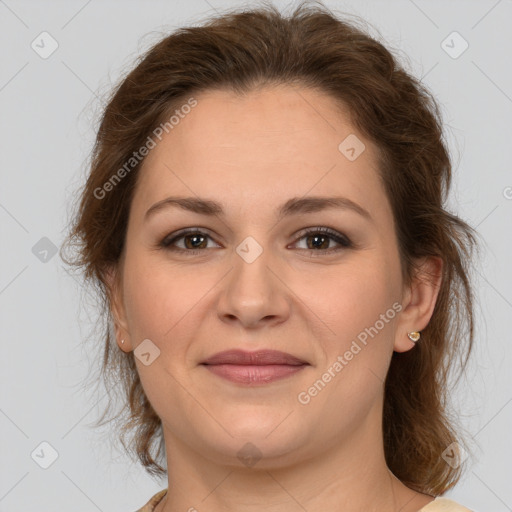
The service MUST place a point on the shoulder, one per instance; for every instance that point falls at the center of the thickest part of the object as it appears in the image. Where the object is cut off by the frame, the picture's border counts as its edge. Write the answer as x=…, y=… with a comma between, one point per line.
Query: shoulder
x=153, y=502
x=438, y=505
x=444, y=505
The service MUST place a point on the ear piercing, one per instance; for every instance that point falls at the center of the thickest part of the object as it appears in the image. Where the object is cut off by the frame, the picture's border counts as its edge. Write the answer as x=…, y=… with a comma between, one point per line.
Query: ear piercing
x=414, y=336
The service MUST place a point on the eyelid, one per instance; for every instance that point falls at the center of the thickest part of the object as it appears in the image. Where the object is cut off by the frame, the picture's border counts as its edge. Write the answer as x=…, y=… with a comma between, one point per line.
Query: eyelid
x=332, y=233
x=343, y=241
x=176, y=235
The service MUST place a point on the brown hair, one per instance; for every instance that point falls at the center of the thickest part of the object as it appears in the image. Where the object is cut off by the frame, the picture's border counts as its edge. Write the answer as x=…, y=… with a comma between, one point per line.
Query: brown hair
x=241, y=51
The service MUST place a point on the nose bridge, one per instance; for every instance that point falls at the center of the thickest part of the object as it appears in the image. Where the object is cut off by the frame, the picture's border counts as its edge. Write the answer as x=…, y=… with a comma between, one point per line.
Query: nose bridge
x=252, y=291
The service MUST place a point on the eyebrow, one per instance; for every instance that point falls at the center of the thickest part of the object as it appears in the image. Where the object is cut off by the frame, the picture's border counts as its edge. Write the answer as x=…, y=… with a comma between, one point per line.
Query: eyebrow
x=294, y=206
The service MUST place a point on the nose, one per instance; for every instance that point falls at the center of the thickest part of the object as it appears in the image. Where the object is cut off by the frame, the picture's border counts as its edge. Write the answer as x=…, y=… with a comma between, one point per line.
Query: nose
x=254, y=293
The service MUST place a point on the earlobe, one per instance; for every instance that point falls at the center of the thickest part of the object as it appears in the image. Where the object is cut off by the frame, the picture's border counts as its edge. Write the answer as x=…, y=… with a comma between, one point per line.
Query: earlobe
x=122, y=337
x=421, y=298
x=117, y=312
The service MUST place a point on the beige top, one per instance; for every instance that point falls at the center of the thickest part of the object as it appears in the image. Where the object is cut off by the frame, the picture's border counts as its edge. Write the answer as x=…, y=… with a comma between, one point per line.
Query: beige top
x=437, y=505
x=444, y=505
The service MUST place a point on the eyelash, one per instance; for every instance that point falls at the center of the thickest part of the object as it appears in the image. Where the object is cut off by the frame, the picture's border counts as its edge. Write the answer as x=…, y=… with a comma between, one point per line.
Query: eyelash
x=343, y=240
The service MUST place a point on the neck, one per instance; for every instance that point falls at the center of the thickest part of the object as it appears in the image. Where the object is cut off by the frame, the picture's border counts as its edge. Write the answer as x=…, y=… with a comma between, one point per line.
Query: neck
x=350, y=475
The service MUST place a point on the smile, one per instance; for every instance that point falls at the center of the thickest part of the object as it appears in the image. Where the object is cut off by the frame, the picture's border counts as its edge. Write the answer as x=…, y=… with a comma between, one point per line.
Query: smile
x=254, y=374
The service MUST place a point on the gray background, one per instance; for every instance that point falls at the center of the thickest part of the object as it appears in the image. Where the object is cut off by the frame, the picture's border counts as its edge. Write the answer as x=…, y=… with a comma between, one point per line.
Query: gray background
x=48, y=112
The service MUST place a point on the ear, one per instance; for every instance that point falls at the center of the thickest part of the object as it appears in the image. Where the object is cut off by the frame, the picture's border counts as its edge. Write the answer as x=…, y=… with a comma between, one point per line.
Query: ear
x=419, y=301
x=117, y=310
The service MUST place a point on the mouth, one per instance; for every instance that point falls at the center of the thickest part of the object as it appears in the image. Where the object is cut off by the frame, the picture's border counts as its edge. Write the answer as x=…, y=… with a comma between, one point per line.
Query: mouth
x=254, y=368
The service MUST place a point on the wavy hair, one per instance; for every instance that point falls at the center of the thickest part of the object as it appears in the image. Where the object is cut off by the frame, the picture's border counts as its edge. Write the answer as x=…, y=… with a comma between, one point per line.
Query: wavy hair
x=240, y=51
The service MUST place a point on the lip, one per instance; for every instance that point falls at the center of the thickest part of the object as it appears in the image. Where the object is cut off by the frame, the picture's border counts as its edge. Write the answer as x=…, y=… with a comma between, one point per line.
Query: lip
x=252, y=368
x=258, y=358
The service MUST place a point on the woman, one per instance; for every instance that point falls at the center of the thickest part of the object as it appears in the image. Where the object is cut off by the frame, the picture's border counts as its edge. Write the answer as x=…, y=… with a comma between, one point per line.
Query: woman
x=264, y=218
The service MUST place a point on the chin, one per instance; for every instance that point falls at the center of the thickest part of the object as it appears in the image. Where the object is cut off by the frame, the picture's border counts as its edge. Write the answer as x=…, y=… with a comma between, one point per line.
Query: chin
x=256, y=453
x=257, y=441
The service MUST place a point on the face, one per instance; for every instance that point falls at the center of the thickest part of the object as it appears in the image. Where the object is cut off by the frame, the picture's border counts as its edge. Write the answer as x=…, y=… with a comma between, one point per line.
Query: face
x=273, y=268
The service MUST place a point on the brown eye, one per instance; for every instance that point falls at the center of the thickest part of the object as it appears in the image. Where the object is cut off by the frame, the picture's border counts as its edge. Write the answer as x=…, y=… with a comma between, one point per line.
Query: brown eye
x=320, y=239
x=193, y=241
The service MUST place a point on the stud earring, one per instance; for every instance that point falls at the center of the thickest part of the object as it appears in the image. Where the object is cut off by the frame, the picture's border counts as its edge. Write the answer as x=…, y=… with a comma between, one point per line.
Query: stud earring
x=414, y=336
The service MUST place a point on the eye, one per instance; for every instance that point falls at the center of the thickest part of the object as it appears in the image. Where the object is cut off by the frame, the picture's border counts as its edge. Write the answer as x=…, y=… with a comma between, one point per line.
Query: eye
x=319, y=240
x=194, y=241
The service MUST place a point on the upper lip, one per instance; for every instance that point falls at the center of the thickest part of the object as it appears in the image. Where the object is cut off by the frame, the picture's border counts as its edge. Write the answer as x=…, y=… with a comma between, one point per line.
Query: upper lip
x=258, y=358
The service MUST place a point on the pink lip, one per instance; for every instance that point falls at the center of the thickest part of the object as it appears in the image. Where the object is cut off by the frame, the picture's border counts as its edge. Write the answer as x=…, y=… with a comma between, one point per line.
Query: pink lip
x=259, y=367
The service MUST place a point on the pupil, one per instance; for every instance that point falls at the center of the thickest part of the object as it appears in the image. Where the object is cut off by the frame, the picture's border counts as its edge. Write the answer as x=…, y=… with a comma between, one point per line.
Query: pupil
x=316, y=238
x=318, y=241
x=194, y=239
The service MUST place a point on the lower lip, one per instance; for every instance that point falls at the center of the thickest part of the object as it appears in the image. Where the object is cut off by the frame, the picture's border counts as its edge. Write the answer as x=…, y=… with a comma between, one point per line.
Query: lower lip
x=252, y=374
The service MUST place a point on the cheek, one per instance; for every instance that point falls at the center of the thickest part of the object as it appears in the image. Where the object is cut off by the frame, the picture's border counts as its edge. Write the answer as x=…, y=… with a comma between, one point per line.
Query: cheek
x=357, y=307
x=347, y=300
x=148, y=298
x=161, y=298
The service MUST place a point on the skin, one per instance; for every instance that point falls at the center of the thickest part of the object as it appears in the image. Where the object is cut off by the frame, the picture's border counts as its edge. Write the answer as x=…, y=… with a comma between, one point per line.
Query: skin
x=252, y=154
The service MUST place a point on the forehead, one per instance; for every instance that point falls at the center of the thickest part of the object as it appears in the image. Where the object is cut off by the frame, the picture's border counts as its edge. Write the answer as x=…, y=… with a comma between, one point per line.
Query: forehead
x=289, y=120
x=260, y=149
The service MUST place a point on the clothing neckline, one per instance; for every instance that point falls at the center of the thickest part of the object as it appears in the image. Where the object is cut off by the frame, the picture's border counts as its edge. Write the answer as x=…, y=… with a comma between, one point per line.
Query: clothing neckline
x=157, y=498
